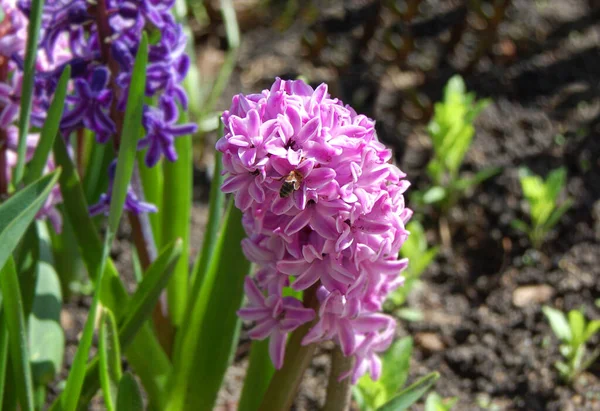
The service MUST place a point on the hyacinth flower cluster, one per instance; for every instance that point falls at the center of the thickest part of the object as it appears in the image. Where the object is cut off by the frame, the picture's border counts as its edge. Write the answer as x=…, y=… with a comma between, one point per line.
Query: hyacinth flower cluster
x=324, y=213
x=99, y=41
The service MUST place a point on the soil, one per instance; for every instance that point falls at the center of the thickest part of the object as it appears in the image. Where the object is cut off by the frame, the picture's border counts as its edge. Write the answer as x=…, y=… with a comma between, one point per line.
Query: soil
x=482, y=328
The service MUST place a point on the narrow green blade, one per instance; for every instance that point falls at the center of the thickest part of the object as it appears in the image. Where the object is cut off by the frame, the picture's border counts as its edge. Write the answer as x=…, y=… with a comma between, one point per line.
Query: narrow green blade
x=258, y=376
x=18, y=212
x=130, y=397
x=33, y=32
x=132, y=130
x=176, y=214
x=410, y=395
x=50, y=129
x=17, y=333
x=46, y=336
x=3, y=354
x=212, y=324
x=110, y=359
x=146, y=296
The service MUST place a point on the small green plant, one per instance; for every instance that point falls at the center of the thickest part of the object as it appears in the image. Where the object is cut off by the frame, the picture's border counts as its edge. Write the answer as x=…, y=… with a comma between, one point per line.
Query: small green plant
x=419, y=255
x=452, y=131
x=435, y=402
x=574, y=332
x=385, y=394
x=542, y=198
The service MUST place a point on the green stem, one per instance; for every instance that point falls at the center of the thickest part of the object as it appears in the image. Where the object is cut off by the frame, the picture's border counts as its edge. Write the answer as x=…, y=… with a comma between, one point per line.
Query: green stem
x=285, y=382
x=339, y=392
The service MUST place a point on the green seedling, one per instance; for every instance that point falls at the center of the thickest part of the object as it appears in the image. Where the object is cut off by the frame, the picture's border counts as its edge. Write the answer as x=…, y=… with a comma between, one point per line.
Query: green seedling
x=386, y=394
x=574, y=332
x=435, y=402
x=544, y=208
x=419, y=255
x=452, y=131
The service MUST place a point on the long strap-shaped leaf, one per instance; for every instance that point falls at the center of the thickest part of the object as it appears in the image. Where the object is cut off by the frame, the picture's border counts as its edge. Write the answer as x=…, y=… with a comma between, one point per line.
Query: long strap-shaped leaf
x=110, y=359
x=411, y=394
x=3, y=354
x=129, y=397
x=50, y=129
x=17, y=213
x=213, y=323
x=17, y=333
x=176, y=213
x=33, y=32
x=154, y=281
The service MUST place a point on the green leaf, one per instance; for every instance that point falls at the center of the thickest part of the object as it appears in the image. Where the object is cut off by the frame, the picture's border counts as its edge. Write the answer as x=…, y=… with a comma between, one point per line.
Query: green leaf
x=17, y=333
x=558, y=322
x=478, y=178
x=132, y=130
x=146, y=296
x=3, y=354
x=100, y=157
x=372, y=393
x=50, y=129
x=558, y=213
x=577, y=326
x=410, y=395
x=455, y=88
x=435, y=402
x=74, y=385
x=213, y=323
x=18, y=212
x=410, y=314
x=592, y=328
x=130, y=397
x=76, y=210
x=216, y=201
x=520, y=225
x=396, y=364
x=419, y=257
x=434, y=195
x=258, y=376
x=231, y=26
x=152, y=179
x=46, y=336
x=33, y=32
x=176, y=214
x=110, y=358
x=555, y=182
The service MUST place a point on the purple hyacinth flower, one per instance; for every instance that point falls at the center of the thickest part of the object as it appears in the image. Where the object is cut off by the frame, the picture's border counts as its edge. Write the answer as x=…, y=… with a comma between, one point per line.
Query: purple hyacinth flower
x=132, y=203
x=275, y=317
x=323, y=209
x=161, y=129
x=90, y=106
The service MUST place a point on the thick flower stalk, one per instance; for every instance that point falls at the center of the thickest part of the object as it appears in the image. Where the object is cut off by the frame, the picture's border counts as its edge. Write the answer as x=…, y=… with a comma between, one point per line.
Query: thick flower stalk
x=99, y=40
x=323, y=210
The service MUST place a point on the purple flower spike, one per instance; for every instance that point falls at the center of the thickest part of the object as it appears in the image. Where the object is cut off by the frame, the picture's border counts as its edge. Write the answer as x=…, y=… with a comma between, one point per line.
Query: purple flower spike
x=162, y=128
x=91, y=104
x=324, y=212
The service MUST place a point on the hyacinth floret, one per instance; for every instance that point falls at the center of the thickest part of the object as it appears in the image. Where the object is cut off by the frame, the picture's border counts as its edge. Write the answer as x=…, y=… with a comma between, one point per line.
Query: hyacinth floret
x=334, y=230
x=99, y=41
